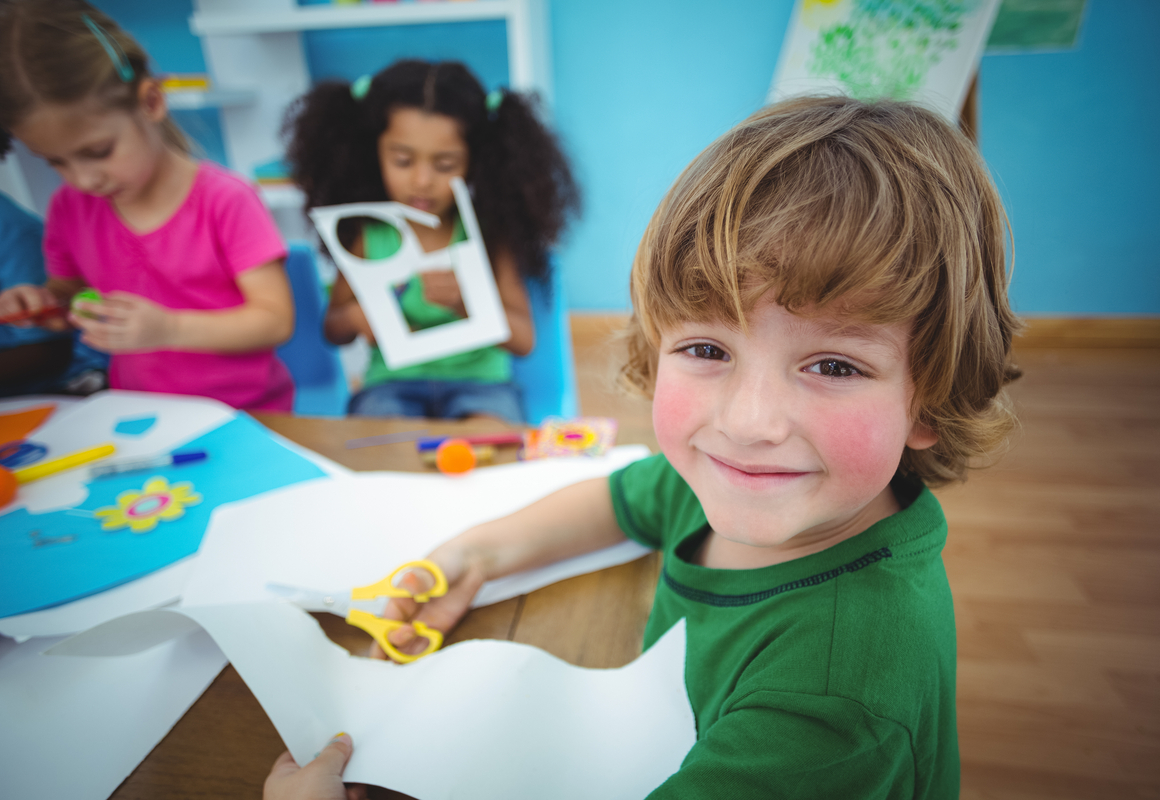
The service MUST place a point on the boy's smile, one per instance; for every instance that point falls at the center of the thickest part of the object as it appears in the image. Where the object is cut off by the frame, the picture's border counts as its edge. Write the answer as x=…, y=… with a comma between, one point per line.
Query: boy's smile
x=789, y=435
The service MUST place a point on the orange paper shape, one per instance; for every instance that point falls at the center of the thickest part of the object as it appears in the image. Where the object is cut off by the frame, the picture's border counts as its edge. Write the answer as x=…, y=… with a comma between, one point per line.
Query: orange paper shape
x=18, y=424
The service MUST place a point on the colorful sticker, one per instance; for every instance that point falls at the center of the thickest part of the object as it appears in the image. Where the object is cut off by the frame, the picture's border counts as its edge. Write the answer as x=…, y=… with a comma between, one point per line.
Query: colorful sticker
x=141, y=511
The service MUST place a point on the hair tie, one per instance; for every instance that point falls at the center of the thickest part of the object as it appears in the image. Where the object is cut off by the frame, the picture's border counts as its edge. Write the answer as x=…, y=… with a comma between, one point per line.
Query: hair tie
x=116, y=54
x=493, y=102
x=360, y=87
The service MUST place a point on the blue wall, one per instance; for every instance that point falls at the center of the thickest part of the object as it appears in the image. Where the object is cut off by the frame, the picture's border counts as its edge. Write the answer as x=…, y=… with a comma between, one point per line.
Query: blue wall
x=162, y=28
x=1071, y=139
x=641, y=87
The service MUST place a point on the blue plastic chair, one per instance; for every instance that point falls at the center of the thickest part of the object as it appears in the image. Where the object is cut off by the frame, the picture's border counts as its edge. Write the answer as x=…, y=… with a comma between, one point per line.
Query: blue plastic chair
x=547, y=375
x=320, y=385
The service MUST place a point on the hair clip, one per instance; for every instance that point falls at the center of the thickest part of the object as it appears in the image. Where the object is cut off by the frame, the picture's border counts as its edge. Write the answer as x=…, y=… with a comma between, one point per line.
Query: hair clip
x=360, y=87
x=493, y=102
x=116, y=54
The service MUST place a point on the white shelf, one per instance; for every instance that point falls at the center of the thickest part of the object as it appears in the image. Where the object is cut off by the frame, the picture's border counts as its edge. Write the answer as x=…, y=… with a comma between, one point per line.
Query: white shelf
x=281, y=196
x=195, y=99
x=312, y=18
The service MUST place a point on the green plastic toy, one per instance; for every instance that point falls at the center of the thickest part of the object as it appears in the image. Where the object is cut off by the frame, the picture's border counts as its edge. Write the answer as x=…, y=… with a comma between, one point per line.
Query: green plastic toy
x=85, y=296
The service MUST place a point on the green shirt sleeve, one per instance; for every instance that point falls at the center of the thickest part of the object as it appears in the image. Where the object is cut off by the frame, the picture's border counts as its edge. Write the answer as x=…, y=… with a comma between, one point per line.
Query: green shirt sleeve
x=786, y=745
x=634, y=500
x=653, y=504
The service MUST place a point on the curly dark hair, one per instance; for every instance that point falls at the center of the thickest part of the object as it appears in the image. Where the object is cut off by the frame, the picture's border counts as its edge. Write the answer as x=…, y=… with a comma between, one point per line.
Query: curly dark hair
x=5, y=143
x=522, y=185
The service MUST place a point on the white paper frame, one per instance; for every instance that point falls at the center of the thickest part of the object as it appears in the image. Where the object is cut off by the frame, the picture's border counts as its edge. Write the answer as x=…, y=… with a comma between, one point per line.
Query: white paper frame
x=372, y=281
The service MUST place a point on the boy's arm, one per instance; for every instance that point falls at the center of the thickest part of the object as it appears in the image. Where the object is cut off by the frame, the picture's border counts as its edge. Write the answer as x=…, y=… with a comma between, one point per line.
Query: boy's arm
x=570, y=522
x=799, y=745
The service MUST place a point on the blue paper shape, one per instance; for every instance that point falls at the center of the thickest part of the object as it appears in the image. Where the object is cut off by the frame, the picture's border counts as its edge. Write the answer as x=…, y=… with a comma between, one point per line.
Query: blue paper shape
x=134, y=426
x=54, y=558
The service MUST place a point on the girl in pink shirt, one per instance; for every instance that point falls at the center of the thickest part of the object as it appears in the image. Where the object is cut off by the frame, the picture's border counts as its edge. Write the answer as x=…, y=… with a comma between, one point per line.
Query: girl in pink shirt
x=186, y=258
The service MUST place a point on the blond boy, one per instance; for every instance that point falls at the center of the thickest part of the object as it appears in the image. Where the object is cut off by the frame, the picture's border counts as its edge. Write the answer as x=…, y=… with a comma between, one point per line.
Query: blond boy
x=822, y=323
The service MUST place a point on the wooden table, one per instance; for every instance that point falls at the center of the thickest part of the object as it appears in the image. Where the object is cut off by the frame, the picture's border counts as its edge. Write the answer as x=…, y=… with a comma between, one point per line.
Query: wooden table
x=224, y=745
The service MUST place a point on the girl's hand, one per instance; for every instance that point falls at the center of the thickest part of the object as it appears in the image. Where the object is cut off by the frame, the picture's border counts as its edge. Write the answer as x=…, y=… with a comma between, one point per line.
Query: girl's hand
x=357, y=320
x=441, y=288
x=125, y=323
x=27, y=297
x=464, y=577
x=321, y=779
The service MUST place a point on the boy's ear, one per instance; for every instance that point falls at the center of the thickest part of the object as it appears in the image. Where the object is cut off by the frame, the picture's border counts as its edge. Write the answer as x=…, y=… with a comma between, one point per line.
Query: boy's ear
x=921, y=437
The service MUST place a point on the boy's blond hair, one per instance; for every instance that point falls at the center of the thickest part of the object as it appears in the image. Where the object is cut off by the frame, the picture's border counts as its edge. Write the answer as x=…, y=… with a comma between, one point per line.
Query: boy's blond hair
x=882, y=211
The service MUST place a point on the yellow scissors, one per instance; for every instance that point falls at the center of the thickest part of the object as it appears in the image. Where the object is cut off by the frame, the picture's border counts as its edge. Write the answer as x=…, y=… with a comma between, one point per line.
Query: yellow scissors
x=364, y=605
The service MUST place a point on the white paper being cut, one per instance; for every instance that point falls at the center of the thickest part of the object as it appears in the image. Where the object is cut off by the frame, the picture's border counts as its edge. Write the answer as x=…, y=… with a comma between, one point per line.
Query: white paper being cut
x=374, y=281
x=480, y=719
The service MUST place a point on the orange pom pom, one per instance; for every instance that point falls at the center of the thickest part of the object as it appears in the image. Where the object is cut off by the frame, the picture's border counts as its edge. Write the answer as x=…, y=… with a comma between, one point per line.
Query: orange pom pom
x=455, y=457
x=7, y=486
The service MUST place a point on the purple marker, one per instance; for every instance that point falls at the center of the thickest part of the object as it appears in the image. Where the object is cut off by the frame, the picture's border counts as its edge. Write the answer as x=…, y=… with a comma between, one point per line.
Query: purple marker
x=171, y=460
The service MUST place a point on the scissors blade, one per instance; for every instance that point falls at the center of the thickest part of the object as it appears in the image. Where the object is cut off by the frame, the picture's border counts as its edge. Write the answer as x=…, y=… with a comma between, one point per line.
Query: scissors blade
x=338, y=603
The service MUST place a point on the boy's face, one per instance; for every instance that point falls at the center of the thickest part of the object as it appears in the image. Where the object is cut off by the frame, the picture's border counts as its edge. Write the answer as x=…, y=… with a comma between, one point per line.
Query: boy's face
x=789, y=435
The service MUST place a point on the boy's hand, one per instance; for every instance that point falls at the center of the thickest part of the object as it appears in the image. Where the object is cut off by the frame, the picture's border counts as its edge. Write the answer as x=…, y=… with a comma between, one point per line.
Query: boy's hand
x=441, y=613
x=441, y=288
x=27, y=297
x=126, y=323
x=321, y=779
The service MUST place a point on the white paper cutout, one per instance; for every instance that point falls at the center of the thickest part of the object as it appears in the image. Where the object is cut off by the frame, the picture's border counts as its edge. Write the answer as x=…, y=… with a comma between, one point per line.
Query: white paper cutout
x=91, y=422
x=373, y=281
x=479, y=719
x=84, y=423
x=351, y=531
x=77, y=728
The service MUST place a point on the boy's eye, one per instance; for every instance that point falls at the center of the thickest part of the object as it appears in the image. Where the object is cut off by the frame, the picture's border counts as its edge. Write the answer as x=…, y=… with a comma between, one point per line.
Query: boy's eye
x=446, y=166
x=834, y=368
x=401, y=162
x=709, y=351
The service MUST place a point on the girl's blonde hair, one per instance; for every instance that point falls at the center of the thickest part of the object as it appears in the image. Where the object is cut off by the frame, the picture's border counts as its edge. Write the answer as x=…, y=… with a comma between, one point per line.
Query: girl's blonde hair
x=881, y=211
x=65, y=51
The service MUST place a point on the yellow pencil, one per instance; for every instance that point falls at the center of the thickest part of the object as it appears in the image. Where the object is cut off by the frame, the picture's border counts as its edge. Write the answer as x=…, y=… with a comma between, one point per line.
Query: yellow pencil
x=37, y=471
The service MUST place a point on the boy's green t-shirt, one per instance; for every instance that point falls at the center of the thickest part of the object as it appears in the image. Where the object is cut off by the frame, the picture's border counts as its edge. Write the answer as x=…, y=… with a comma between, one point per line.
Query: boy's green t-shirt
x=830, y=676
x=485, y=365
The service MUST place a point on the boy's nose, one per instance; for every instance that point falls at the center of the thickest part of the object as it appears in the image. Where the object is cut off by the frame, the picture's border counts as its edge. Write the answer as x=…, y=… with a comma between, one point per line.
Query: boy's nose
x=755, y=409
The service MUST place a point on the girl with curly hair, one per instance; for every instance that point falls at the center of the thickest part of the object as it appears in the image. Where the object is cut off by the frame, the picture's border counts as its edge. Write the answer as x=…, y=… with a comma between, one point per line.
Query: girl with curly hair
x=402, y=135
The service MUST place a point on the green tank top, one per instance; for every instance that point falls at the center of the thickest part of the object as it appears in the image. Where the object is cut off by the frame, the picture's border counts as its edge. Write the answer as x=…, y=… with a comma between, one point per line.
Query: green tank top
x=485, y=365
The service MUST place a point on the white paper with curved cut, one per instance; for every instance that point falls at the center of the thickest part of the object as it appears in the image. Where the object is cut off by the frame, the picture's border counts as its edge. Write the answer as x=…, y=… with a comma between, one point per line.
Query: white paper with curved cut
x=351, y=531
x=479, y=719
x=373, y=282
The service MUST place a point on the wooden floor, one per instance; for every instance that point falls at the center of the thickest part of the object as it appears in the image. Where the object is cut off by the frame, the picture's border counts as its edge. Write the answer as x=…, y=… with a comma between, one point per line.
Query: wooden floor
x=1054, y=560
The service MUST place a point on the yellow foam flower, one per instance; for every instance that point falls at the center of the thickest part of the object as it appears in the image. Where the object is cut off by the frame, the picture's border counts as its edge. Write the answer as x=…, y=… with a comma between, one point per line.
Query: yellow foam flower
x=141, y=511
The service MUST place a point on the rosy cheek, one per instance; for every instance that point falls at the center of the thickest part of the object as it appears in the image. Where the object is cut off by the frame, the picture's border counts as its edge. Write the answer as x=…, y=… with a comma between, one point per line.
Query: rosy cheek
x=673, y=411
x=862, y=446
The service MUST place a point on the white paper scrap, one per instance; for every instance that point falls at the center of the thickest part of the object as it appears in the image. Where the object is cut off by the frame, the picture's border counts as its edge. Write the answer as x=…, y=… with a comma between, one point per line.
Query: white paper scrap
x=77, y=727
x=333, y=535
x=479, y=719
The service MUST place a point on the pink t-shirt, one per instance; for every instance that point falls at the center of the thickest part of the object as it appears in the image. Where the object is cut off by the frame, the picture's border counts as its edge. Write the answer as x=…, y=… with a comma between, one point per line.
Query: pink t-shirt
x=189, y=263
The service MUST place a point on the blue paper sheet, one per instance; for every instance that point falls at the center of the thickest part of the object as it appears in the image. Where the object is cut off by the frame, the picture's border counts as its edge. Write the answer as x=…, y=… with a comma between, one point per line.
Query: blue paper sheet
x=53, y=558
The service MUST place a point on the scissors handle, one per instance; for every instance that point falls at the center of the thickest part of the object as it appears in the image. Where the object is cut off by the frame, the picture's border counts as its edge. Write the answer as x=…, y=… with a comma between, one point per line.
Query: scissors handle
x=380, y=628
x=387, y=588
